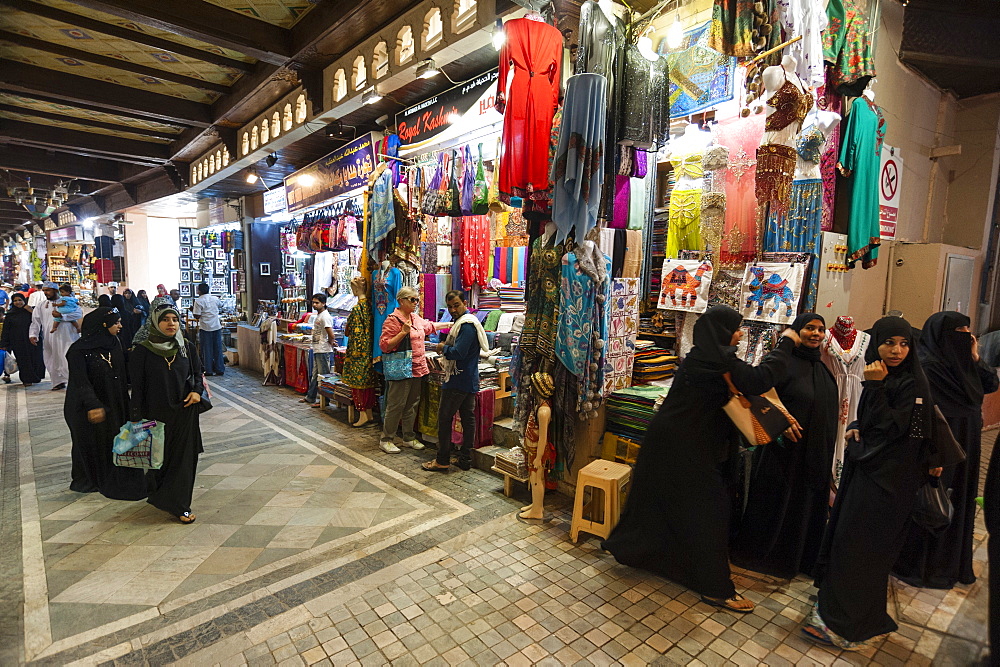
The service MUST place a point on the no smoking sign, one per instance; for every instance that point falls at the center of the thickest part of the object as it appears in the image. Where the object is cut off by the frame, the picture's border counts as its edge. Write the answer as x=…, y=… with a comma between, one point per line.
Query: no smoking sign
x=888, y=191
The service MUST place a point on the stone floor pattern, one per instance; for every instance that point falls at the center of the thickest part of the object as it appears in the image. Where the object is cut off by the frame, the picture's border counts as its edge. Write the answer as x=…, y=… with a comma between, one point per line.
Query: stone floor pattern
x=314, y=547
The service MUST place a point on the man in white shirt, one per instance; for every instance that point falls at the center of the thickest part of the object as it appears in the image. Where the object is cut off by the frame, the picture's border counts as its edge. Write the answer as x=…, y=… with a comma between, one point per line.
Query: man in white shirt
x=206, y=309
x=322, y=345
x=55, y=344
x=37, y=297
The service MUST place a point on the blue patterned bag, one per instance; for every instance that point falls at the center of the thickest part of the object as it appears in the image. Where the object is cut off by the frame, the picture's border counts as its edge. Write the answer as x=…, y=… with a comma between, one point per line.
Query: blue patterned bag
x=398, y=365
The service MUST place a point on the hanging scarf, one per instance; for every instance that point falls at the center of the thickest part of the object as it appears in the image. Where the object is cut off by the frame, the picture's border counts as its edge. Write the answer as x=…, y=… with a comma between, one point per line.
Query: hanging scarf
x=948, y=354
x=449, y=365
x=95, y=335
x=153, y=339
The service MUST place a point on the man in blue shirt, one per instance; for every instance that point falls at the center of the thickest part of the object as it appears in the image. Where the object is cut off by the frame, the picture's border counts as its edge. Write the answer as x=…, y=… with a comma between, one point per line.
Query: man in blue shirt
x=458, y=393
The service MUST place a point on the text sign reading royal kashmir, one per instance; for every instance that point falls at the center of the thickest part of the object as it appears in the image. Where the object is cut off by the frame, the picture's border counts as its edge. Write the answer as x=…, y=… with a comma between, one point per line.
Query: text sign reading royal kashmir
x=432, y=118
x=343, y=170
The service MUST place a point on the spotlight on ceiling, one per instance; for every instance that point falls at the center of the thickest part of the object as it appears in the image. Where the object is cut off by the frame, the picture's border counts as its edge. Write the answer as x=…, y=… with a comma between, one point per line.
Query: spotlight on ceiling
x=271, y=160
x=427, y=69
x=371, y=96
x=252, y=176
x=498, y=35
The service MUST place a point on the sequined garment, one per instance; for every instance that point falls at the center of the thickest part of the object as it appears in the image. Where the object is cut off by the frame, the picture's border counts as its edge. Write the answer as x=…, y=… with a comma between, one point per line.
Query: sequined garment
x=741, y=136
x=827, y=100
x=646, y=105
x=775, y=171
x=798, y=229
x=358, y=372
x=683, y=231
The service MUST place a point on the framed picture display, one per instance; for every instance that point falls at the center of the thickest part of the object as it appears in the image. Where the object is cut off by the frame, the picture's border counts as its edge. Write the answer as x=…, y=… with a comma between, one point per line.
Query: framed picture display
x=185, y=276
x=208, y=253
x=185, y=235
x=265, y=269
x=185, y=289
x=221, y=266
x=187, y=303
x=185, y=263
x=289, y=261
x=196, y=276
x=218, y=285
x=185, y=251
x=196, y=253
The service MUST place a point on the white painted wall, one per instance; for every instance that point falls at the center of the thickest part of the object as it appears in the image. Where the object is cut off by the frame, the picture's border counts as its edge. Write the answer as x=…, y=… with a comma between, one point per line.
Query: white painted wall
x=151, y=246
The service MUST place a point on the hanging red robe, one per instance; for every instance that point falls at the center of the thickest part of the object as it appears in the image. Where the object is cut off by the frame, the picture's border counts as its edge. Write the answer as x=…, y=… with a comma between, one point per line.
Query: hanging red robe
x=533, y=51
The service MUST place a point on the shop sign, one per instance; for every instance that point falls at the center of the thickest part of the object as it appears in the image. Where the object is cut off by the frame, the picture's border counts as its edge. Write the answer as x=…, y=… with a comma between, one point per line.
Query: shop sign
x=465, y=107
x=71, y=234
x=888, y=191
x=275, y=201
x=342, y=171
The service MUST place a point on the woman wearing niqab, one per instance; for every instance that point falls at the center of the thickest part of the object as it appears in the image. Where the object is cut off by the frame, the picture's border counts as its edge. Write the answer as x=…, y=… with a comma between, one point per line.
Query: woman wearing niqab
x=789, y=499
x=676, y=520
x=883, y=469
x=96, y=406
x=958, y=379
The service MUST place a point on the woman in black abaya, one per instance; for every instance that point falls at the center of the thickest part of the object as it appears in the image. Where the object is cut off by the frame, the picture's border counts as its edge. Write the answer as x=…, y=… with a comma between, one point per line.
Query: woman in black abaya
x=883, y=469
x=96, y=407
x=128, y=329
x=785, y=516
x=166, y=386
x=676, y=519
x=16, y=324
x=958, y=378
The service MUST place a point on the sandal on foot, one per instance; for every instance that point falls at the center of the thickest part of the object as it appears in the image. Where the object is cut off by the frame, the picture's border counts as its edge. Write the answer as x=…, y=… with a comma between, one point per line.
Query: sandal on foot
x=729, y=604
x=431, y=466
x=814, y=634
x=187, y=517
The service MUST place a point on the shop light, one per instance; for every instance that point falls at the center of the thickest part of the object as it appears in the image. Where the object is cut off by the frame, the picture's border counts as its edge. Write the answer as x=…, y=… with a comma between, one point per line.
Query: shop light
x=675, y=34
x=427, y=69
x=252, y=176
x=498, y=36
x=271, y=160
x=371, y=96
x=88, y=223
x=454, y=118
x=305, y=180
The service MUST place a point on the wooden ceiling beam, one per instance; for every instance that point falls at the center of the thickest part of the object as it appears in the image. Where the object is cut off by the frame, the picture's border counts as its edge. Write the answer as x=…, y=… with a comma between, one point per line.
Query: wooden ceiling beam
x=20, y=77
x=107, y=61
x=62, y=137
x=48, y=115
x=36, y=160
x=93, y=107
x=205, y=22
x=86, y=23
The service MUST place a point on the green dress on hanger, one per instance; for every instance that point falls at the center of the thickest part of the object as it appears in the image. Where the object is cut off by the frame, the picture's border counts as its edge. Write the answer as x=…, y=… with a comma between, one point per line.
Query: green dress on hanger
x=860, y=161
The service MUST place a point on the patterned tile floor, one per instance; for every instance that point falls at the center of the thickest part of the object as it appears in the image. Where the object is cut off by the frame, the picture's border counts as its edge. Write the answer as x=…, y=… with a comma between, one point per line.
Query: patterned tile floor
x=314, y=547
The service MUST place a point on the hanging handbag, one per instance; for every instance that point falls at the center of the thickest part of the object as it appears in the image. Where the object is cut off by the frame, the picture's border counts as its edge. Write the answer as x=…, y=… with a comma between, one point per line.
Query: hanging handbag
x=454, y=196
x=945, y=450
x=433, y=197
x=480, y=190
x=760, y=419
x=398, y=365
x=933, y=510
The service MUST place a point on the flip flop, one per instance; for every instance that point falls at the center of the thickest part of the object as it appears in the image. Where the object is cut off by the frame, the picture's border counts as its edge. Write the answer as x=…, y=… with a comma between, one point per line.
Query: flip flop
x=187, y=518
x=723, y=604
x=427, y=465
x=820, y=638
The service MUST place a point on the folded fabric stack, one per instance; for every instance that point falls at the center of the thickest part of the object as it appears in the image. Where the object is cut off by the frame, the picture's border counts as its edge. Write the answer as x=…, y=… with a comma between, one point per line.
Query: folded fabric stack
x=512, y=299
x=659, y=253
x=492, y=320
x=342, y=393
x=489, y=300
x=653, y=365
x=512, y=462
x=489, y=377
x=327, y=382
x=630, y=411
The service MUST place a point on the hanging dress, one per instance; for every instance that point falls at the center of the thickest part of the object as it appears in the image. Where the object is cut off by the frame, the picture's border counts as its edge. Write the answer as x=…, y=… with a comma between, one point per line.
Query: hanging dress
x=860, y=162
x=527, y=96
x=683, y=230
x=741, y=136
x=385, y=285
x=359, y=374
x=848, y=369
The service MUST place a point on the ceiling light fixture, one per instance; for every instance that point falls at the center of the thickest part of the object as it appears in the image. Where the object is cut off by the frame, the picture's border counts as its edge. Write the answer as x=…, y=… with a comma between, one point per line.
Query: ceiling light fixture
x=675, y=34
x=427, y=69
x=371, y=96
x=498, y=35
x=252, y=176
x=271, y=160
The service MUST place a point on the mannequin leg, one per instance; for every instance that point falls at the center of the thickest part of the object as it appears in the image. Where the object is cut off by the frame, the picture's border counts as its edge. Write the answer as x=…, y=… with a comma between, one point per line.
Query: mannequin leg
x=536, y=481
x=366, y=416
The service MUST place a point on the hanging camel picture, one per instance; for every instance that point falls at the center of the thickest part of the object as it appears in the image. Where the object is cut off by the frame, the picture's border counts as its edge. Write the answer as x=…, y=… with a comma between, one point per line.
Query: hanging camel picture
x=684, y=285
x=771, y=291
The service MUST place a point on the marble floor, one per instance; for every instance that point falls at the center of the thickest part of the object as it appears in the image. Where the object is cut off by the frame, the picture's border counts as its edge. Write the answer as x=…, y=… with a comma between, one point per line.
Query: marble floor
x=314, y=547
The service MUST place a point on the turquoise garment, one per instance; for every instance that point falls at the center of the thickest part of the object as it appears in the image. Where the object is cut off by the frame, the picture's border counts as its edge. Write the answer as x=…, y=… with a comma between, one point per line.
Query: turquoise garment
x=582, y=334
x=382, y=217
x=860, y=161
x=385, y=285
x=800, y=230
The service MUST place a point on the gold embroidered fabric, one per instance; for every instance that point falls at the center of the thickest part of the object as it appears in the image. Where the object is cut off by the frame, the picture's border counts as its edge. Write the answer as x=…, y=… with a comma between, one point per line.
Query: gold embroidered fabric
x=683, y=224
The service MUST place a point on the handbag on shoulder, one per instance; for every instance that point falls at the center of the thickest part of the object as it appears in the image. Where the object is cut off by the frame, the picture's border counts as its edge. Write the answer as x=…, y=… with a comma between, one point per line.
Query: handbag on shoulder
x=398, y=365
x=945, y=450
x=761, y=419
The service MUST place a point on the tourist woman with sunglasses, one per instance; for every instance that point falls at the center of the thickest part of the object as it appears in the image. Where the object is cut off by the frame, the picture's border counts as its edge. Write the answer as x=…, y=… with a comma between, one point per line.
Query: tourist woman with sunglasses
x=403, y=396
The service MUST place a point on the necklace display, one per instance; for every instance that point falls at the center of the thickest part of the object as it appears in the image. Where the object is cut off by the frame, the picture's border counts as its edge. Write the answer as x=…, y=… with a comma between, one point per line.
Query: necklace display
x=170, y=361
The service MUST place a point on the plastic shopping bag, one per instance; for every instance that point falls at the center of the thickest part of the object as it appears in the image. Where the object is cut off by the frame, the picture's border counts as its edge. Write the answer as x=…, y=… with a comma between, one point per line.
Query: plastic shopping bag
x=139, y=446
x=9, y=363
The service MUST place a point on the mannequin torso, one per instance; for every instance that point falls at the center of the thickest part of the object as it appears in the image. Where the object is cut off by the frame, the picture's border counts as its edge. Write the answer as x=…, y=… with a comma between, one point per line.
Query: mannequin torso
x=787, y=97
x=818, y=124
x=685, y=156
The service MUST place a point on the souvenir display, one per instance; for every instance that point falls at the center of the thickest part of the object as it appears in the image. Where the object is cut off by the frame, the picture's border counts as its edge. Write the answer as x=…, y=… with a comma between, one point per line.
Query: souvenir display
x=771, y=291
x=684, y=285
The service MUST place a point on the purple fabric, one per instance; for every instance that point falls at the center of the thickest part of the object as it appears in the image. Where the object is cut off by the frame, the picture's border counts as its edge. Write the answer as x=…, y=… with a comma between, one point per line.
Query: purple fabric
x=639, y=164
x=620, y=217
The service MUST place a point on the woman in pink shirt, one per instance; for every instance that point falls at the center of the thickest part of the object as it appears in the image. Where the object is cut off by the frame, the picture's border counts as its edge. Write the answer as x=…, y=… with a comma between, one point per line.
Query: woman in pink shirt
x=403, y=396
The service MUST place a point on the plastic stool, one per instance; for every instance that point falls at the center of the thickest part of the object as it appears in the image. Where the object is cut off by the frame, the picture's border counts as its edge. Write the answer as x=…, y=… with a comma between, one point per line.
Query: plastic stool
x=612, y=480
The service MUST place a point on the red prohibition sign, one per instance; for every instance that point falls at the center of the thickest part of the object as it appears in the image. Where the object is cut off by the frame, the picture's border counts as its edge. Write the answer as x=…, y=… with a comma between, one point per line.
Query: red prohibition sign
x=890, y=179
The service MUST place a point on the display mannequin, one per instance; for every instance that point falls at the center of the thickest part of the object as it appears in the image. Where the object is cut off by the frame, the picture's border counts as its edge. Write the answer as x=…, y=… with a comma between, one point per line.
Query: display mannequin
x=811, y=142
x=844, y=354
x=358, y=373
x=774, y=78
x=536, y=441
x=683, y=225
x=788, y=103
x=692, y=143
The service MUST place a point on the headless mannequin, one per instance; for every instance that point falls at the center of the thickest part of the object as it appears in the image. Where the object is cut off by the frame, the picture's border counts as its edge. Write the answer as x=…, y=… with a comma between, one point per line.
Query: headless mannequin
x=826, y=121
x=550, y=229
x=385, y=265
x=645, y=46
x=536, y=475
x=845, y=333
x=694, y=140
x=870, y=94
x=774, y=77
x=611, y=9
x=359, y=287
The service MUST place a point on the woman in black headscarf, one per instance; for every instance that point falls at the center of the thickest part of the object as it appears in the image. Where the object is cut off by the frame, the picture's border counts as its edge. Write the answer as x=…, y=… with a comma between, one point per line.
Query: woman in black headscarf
x=135, y=307
x=676, y=519
x=144, y=307
x=15, y=338
x=958, y=378
x=886, y=463
x=785, y=516
x=96, y=407
x=166, y=386
x=127, y=332
x=104, y=301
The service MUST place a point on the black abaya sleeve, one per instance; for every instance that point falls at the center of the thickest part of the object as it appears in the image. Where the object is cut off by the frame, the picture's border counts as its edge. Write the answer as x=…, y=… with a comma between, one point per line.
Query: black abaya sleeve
x=884, y=415
x=195, y=360
x=137, y=376
x=79, y=381
x=988, y=376
x=755, y=380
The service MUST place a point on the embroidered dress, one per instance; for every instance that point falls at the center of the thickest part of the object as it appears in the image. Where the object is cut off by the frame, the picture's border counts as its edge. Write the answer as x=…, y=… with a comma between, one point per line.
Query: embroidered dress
x=848, y=369
x=798, y=230
x=860, y=161
x=739, y=237
x=578, y=171
x=382, y=215
x=847, y=46
x=475, y=255
x=776, y=159
x=358, y=372
x=528, y=93
x=827, y=100
x=583, y=322
x=385, y=285
x=683, y=230
x=732, y=31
